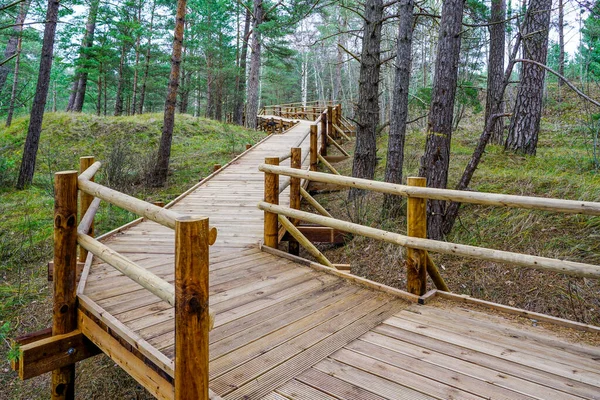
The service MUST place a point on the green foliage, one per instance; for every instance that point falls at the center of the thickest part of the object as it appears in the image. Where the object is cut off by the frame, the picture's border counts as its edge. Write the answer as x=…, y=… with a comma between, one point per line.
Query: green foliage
x=467, y=94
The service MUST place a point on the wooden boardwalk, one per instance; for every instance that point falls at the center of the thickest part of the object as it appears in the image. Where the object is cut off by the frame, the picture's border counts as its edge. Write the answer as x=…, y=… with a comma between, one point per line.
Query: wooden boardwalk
x=287, y=331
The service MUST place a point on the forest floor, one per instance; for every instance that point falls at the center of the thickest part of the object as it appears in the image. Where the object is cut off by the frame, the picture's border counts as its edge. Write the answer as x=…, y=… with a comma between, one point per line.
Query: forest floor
x=563, y=168
x=124, y=145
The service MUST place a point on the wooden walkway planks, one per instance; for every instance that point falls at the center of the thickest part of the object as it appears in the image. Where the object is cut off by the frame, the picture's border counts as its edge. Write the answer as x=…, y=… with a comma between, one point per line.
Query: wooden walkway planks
x=286, y=331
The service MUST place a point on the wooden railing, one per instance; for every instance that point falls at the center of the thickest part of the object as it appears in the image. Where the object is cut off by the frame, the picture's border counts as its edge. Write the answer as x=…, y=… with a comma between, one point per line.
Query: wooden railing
x=418, y=262
x=189, y=295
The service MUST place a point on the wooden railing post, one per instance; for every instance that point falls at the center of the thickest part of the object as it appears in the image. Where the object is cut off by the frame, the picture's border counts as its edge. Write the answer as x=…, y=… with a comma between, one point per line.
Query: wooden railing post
x=85, y=200
x=192, y=318
x=314, y=133
x=416, y=260
x=295, y=198
x=271, y=226
x=330, y=122
x=324, y=135
x=64, y=312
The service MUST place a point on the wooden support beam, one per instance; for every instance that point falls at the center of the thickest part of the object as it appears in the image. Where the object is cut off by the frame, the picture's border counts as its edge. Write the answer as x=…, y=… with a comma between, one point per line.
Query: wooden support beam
x=324, y=134
x=271, y=227
x=321, y=234
x=304, y=241
x=341, y=132
x=80, y=266
x=54, y=352
x=64, y=312
x=329, y=166
x=313, y=202
x=295, y=198
x=192, y=316
x=314, y=132
x=416, y=260
x=435, y=276
x=338, y=146
x=334, y=159
x=85, y=201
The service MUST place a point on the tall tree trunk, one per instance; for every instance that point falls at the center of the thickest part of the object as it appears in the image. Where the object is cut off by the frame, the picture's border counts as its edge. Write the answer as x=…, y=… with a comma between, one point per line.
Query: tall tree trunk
x=399, y=112
x=137, y=61
x=99, y=98
x=39, y=101
x=147, y=61
x=496, y=69
x=88, y=42
x=254, y=75
x=240, y=86
x=120, y=82
x=11, y=46
x=164, y=151
x=525, y=124
x=436, y=159
x=13, y=93
x=367, y=110
x=561, y=44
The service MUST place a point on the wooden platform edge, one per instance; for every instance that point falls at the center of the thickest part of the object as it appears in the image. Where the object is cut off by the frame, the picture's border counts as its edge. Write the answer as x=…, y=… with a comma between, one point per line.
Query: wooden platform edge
x=123, y=332
x=356, y=279
x=518, y=311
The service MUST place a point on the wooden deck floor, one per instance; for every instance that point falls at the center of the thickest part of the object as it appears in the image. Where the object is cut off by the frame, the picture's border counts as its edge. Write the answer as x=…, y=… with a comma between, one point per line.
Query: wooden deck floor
x=286, y=331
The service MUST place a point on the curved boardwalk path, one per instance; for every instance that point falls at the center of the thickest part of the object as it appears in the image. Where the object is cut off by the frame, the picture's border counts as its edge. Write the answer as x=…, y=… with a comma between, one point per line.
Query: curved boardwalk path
x=287, y=331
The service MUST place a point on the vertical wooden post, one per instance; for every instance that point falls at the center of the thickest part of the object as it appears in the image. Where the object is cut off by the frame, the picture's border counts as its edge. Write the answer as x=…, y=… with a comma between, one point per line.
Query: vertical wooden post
x=416, y=260
x=330, y=122
x=64, y=312
x=314, y=132
x=295, y=162
x=271, y=224
x=324, y=134
x=192, y=319
x=315, y=114
x=85, y=200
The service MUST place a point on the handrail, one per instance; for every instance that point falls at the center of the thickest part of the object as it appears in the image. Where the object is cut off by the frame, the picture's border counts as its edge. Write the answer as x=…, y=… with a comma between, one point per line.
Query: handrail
x=542, y=263
x=527, y=202
x=144, y=209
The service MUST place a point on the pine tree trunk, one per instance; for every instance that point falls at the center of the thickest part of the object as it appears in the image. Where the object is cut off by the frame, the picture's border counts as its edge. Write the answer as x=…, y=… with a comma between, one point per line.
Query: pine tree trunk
x=399, y=112
x=88, y=42
x=254, y=75
x=496, y=69
x=39, y=101
x=238, y=112
x=561, y=43
x=436, y=159
x=137, y=62
x=164, y=151
x=11, y=46
x=147, y=61
x=525, y=124
x=13, y=93
x=99, y=98
x=367, y=110
x=121, y=83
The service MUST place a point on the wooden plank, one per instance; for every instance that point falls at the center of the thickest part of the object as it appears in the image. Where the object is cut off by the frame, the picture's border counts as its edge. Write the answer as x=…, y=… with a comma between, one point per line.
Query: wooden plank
x=504, y=367
x=336, y=387
x=136, y=368
x=314, y=350
x=321, y=234
x=299, y=391
x=486, y=374
x=54, y=352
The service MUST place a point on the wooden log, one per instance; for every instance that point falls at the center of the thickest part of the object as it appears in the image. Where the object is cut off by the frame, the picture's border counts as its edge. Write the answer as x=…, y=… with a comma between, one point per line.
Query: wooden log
x=541, y=263
x=64, y=312
x=321, y=234
x=337, y=146
x=86, y=223
x=80, y=267
x=192, y=316
x=53, y=353
x=160, y=204
x=324, y=134
x=341, y=132
x=435, y=275
x=287, y=224
x=85, y=200
x=326, y=163
x=295, y=198
x=330, y=121
x=416, y=260
x=313, y=202
x=271, y=226
x=314, y=132
x=490, y=199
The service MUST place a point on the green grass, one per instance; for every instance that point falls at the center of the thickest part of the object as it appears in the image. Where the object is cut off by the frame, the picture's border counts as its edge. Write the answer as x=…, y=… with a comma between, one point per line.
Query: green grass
x=125, y=146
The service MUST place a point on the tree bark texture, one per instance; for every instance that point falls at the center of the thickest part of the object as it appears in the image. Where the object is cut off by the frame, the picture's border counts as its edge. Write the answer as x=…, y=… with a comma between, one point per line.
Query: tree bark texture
x=561, y=42
x=255, y=59
x=525, y=124
x=238, y=116
x=367, y=110
x=88, y=42
x=39, y=101
x=147, y=61
x=399, y=111
x=164, y=151
x=436, y=159
x=13, y=92
x=120, y=82
x=11, y=46
x=496, y=69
